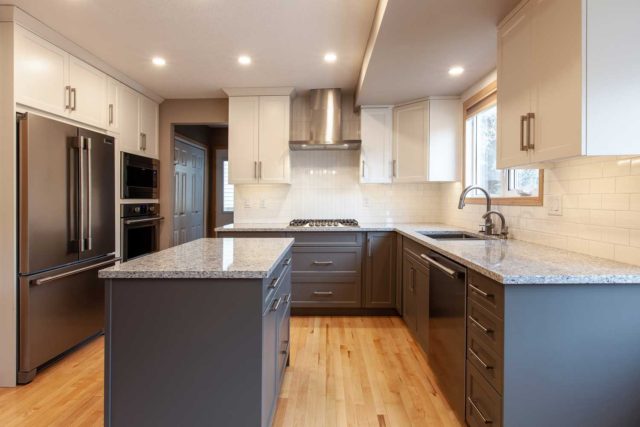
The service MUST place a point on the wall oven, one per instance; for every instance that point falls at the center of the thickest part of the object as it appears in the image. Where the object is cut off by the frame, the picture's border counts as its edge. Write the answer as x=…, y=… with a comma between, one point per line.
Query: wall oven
x=139, y=177
x=140, y=227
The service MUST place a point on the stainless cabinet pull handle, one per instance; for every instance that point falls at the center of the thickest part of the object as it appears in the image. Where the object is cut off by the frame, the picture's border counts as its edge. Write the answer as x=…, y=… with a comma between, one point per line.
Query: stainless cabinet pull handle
x=260, y=169
x=287, y=261
x=523, y=146
x=143, y=141
x=276, y=304
x=369, y=250
x=274, y=283
x=110, y=114
x=363, y=168
x=435, y=263
x=89, y=244
x=475, y=407
x=287, y=298
x=480, y=291
x=73, y=98
x=255, y=170
x=413, y=280
x=393, y=168
x=480, y=325
x=479, y=359
x=530, y=131
x=46, y=280
x=67, y=97
x=323, y=293
x=322, y=262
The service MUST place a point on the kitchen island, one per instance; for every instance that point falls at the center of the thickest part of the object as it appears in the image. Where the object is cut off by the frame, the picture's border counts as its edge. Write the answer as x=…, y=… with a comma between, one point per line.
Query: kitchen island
x=198, y=334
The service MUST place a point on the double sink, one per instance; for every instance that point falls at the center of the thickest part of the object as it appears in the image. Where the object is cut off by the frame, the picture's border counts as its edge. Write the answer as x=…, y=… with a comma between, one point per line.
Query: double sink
x=451, y=235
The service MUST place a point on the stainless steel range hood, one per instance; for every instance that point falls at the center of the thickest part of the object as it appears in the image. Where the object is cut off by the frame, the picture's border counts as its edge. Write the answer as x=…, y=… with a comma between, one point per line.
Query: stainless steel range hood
x=325, y=131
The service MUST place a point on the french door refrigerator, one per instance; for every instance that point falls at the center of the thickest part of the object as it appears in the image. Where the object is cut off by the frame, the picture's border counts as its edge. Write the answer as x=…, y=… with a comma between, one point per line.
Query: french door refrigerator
x=66, y=230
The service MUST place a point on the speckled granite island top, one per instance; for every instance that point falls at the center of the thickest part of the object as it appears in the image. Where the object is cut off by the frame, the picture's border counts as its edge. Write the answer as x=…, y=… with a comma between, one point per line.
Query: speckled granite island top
x=510, y=262
x=206, y=259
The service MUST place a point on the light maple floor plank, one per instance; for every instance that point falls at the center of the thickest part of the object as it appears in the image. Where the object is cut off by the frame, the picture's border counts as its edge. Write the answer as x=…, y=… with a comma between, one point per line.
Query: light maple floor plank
x=345, y=371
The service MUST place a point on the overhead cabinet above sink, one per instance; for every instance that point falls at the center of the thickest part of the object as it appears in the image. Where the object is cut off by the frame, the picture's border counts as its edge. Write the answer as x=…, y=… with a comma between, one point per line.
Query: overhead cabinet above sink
x=568, y=84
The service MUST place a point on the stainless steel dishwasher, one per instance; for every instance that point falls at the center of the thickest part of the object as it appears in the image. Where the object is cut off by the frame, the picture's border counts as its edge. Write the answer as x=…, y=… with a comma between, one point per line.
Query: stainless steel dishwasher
x=447, y=328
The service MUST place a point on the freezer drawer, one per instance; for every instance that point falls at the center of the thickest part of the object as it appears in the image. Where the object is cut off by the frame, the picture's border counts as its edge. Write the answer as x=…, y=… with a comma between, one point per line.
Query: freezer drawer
x=58, y=310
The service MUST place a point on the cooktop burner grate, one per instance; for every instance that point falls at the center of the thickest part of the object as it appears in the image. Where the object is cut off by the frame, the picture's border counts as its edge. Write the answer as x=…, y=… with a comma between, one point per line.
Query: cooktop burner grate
x=323, y=223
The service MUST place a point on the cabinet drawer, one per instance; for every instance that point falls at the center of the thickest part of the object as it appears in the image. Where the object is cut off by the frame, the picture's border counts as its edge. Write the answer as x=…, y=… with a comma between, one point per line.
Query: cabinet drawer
x=487, y=292
x=327, y=238
x=271, y=284
x=327, y=259
x=315, y=290
x=481, y=355
x=489, y=328
x=483, y=404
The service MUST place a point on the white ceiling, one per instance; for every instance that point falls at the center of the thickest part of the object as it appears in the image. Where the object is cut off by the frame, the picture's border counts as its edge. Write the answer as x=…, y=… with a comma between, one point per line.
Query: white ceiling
x=201, y=40
x=419, y=40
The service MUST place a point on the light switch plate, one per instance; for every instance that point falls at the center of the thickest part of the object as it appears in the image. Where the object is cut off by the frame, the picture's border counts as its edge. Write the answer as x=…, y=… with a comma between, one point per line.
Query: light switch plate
x=554, y=207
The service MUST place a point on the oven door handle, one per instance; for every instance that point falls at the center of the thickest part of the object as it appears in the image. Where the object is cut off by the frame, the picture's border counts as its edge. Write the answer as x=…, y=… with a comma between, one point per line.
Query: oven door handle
x=140, y=221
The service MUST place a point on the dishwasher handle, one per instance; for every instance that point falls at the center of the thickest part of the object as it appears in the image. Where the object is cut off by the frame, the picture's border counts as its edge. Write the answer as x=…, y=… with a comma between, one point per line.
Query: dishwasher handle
x=448, y=271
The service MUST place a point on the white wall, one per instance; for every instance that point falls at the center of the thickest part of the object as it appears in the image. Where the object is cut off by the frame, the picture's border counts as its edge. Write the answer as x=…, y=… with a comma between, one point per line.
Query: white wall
x=326, y=185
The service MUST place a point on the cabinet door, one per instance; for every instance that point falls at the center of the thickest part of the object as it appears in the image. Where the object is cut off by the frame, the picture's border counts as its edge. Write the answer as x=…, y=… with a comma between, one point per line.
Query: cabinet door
x=376, y=129
x=422, y=305
x=514, y=94
x=269, y=361
x=40, y=73
x=380, y=274
x=129, y=121
x=88, y=93
x=243, y=139
x=148, y=126
x=273, y=147
x=557, y=71
x=113, y=105
x=409, y=292
x=445, y=139
x=410, y=142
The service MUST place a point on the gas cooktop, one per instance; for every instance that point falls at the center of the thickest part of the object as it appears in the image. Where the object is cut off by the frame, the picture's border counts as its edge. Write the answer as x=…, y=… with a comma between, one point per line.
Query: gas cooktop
x=323, y=223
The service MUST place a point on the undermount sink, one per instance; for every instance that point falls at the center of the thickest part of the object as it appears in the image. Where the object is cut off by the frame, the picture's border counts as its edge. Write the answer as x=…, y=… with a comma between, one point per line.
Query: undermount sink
x=451, y=235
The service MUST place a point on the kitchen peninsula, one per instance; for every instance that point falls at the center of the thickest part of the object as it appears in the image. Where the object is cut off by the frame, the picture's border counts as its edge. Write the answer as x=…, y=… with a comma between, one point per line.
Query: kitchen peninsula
x=198, y=334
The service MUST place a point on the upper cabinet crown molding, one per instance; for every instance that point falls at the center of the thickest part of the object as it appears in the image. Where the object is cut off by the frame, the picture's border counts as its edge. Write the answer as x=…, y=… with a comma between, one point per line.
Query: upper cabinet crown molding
x=259, y=91
x=565, y=82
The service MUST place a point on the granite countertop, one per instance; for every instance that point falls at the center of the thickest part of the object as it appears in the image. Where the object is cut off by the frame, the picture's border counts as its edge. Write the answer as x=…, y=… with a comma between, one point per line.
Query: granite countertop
x=510, y=262
x=206, y=259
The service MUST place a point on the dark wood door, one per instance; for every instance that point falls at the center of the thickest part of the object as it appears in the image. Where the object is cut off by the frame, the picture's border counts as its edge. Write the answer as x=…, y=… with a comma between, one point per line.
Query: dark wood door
x=380, y=273
x=409, y=292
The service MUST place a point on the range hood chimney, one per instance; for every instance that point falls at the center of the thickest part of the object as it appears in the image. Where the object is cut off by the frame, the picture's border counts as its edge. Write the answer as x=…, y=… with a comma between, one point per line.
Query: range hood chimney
x=325, y=131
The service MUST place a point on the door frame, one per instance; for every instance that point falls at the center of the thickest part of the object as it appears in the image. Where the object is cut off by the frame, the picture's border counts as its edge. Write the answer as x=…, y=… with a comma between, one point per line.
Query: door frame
x=205, y=199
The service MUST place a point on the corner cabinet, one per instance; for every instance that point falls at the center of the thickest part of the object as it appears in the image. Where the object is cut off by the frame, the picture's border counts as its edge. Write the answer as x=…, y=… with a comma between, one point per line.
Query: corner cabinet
x=558, y=94
x=136, y=121
x=259, y=139
x=427, y=141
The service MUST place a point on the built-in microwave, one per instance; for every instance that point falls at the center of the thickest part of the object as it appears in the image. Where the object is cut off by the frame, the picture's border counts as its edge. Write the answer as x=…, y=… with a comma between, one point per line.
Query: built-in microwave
x=139, y=178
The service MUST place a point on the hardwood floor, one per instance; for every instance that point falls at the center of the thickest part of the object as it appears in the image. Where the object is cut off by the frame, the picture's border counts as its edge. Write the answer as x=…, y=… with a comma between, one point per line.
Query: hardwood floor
x=345, y=371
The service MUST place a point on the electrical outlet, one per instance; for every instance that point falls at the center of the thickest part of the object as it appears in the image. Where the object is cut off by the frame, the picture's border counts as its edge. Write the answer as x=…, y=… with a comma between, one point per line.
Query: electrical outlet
x=554, y=207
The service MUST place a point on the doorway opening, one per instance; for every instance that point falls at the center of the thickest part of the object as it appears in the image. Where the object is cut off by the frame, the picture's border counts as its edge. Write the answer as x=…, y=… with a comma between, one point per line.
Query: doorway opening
x=202, y=198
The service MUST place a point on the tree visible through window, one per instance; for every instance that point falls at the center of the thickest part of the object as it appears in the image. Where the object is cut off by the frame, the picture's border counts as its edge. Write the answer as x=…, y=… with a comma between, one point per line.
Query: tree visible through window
x=481, y=155
x=227, y=189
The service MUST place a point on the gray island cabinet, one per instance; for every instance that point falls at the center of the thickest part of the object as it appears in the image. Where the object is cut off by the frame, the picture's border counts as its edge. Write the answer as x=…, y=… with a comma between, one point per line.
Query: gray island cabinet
x=198, y=335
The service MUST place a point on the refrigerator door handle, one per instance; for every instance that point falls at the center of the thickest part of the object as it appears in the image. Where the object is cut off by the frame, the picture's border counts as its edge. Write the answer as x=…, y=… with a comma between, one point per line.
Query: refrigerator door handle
x=88, y=244
x=46, y=280
x=81, y=241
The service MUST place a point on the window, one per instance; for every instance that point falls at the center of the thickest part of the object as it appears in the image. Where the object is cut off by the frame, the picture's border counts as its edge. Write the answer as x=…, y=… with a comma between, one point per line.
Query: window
x=508, y=186
x=227, y=189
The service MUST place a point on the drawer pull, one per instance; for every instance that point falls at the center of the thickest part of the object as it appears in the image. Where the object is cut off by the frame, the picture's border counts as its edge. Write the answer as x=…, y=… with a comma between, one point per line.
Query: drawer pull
x=287, y=298
x=274, y=283
x=475, y=407
x=480, y=325
x=479, y=359
x=322, y=262
x=323, y=293
x=287, y=261
x=480, y=291
x=276, y=304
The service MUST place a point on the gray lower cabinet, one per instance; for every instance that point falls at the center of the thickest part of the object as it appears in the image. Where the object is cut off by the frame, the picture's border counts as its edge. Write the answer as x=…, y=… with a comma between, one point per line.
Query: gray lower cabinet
x=380, y=270
x=196, y=352
x=415, y=310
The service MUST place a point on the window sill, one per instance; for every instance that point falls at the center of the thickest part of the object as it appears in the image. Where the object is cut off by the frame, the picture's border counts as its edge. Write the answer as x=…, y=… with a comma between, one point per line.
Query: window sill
x=506, y=201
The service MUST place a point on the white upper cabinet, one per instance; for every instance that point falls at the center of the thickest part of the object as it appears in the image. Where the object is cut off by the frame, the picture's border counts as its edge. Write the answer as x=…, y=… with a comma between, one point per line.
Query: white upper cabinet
x=148, y=137
x=88, y=93
x=41, y=73
x=114, y=93
x=127, y=112
x=259, y=139
x=376, y=130
x=426, y=141
x=565, y=82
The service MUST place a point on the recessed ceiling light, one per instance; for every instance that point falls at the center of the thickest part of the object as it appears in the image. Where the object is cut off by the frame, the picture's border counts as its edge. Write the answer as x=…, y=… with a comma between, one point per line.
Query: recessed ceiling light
x=456, y=71
x=159, y=61
x=244, y=59
x=330, y=57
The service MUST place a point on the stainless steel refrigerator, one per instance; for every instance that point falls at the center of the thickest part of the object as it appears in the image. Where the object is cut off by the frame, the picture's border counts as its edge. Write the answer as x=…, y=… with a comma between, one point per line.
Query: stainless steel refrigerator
x=66, y=234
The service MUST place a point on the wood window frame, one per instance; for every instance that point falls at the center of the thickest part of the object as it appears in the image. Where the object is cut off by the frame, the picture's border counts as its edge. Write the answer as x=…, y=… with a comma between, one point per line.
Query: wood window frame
x=484, y=98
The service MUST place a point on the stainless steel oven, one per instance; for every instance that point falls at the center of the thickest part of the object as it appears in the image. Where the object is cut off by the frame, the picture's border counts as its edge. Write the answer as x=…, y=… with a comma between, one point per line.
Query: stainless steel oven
x=139, y=178
x=140, y=227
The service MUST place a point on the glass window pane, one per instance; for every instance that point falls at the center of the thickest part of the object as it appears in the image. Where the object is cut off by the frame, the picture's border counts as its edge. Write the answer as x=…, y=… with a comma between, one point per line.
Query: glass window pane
x=526, y=182
x=487, y=175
